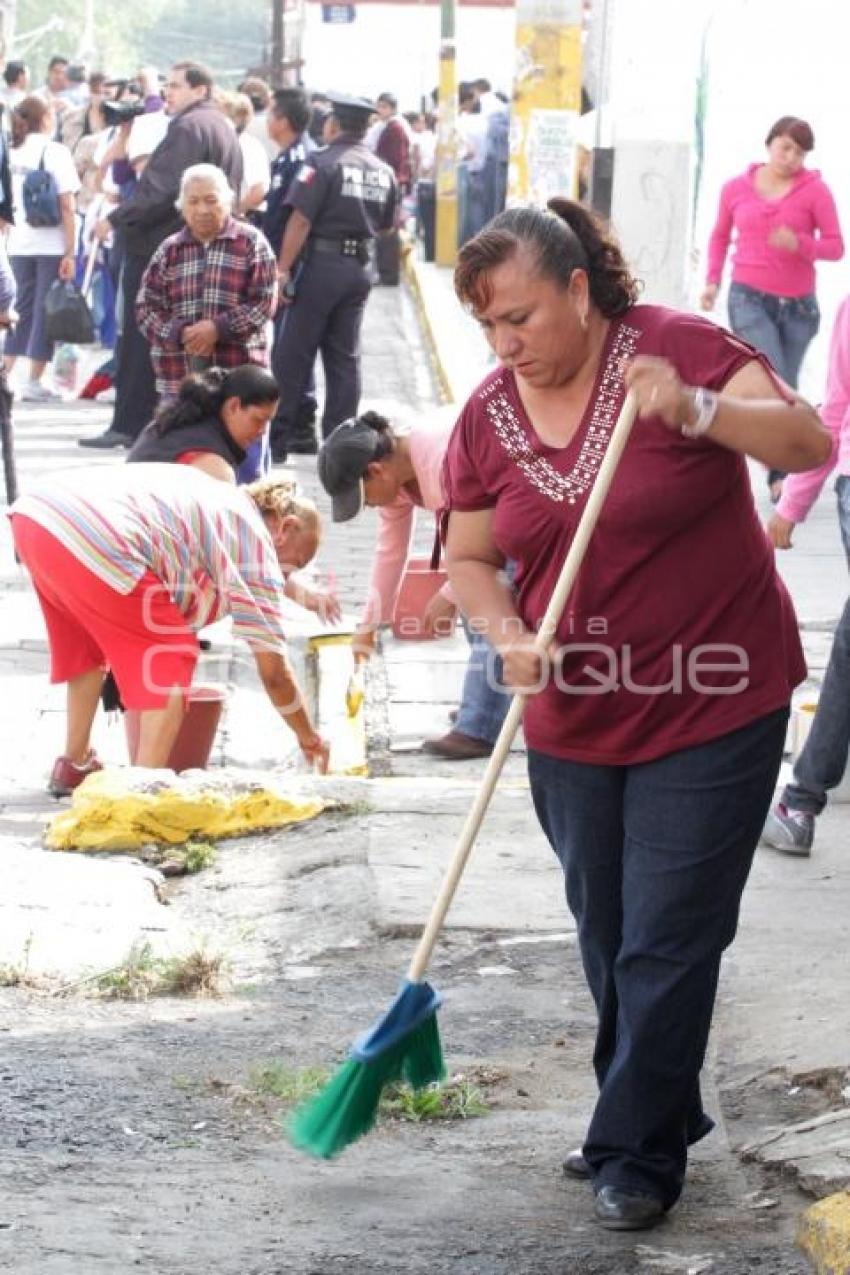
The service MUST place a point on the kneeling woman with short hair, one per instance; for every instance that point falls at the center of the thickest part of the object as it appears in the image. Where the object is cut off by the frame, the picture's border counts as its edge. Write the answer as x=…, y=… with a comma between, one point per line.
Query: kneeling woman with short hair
x=129, y=564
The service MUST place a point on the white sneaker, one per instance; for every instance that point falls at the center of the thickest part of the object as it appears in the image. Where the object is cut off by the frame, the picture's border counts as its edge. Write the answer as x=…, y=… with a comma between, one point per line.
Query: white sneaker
x=35, y=392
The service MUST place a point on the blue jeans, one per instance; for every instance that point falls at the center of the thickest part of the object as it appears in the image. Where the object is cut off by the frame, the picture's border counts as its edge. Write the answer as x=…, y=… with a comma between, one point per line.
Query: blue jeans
x=780, y=327
x=842, y=494
x=655, y=858
x=822, y=762
x=33, y=277
x=257, y=462
x=484, y=701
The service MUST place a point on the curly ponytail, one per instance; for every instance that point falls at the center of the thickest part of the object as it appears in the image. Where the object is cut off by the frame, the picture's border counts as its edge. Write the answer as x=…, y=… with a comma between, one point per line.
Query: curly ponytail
x=563, y=238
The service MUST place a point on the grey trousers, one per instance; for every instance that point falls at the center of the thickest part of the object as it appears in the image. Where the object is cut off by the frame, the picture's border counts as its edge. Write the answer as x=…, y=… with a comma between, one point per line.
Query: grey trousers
x=822, y=762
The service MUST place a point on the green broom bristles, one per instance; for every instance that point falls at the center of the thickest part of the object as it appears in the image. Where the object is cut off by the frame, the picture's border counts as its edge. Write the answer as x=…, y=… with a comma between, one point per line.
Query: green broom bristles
x=347, y=1107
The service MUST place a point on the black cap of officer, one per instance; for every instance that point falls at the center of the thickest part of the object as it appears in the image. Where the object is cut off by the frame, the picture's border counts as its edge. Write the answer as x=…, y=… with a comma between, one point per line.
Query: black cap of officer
x=342, y=462
x=352, y=112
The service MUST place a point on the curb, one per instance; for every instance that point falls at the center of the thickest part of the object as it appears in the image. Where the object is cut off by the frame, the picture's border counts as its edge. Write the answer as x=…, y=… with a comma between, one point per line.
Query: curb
x=823, y=1233
x=411, y=274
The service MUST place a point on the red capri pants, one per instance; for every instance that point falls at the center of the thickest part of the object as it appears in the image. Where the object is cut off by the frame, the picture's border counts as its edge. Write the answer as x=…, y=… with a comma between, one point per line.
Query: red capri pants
x=141, y=636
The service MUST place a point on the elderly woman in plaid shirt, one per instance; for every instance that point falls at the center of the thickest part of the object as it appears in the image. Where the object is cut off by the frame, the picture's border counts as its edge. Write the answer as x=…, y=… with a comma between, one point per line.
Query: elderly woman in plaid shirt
x=210, y=289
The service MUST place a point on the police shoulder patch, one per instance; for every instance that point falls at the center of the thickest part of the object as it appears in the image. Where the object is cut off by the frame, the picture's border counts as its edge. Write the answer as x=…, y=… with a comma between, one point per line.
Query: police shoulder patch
x=305, y=174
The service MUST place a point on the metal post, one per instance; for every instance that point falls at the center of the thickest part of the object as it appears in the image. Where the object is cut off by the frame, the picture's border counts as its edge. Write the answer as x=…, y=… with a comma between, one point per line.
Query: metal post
x=446, y=247
x=276, y=60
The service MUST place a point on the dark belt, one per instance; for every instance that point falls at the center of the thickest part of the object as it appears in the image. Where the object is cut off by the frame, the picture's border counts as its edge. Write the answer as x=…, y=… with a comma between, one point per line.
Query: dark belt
x=348, y=247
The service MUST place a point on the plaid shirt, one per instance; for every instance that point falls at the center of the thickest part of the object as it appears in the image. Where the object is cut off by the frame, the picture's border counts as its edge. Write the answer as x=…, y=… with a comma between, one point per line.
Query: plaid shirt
x=232, y=280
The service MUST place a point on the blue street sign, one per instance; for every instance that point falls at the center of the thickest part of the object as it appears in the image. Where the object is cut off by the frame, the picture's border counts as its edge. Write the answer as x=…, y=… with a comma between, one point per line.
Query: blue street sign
x=337, y=12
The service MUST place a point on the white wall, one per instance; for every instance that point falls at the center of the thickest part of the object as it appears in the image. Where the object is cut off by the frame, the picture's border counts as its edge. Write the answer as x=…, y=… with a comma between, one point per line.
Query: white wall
x=396, y=48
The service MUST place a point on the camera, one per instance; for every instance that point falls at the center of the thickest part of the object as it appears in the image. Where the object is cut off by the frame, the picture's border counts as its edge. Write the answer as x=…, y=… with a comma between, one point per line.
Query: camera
x=121, y=112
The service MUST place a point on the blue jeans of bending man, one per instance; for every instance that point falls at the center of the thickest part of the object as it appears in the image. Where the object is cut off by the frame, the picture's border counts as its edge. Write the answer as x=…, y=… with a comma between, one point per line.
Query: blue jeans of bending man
x=823, y=761
x=655, y=859
x=780, y=327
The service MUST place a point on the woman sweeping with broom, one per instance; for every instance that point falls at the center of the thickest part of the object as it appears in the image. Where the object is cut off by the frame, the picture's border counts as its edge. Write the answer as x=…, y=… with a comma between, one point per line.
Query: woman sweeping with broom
x=655, y=724
x=654, y=652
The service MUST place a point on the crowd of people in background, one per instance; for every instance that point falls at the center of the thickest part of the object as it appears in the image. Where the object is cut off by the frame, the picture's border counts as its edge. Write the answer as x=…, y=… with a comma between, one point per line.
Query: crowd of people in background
x=94, y=135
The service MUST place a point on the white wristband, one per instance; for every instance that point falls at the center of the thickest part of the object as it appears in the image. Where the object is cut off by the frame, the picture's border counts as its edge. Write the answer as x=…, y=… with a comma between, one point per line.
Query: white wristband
x=706, y=403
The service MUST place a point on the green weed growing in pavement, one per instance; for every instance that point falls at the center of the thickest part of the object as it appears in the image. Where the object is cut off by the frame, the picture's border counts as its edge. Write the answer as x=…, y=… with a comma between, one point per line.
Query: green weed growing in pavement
x=456, y=1099
x=199, y=855
x=290, y=1085
x=18, y=974
x=177, y=861
x=143, y=975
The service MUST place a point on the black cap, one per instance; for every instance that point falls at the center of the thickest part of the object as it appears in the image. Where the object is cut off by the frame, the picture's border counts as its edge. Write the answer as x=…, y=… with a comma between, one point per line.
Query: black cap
x=350, y=105
x=342, y=462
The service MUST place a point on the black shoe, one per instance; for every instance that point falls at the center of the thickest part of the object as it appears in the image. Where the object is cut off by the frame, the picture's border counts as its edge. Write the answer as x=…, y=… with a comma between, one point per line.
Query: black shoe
x=111, y=438
x=575, y=1165
x=619, y=1210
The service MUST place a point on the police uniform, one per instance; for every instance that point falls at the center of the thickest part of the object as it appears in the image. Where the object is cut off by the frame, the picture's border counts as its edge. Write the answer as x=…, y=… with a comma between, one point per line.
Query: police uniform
x=283, y=172
x=348, y=196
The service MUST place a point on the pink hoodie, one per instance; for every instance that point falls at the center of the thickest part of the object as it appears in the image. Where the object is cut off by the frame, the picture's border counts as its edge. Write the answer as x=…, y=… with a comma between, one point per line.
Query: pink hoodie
x=800, y=491
x=428, y=445
x=808, y=209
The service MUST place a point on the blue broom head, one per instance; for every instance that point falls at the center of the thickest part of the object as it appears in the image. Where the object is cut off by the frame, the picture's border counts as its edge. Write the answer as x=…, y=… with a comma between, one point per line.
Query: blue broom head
x=414, y=1004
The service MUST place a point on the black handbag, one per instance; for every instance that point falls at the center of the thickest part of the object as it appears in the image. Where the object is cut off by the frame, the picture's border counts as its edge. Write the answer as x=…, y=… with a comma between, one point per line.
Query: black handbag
x=67, y=316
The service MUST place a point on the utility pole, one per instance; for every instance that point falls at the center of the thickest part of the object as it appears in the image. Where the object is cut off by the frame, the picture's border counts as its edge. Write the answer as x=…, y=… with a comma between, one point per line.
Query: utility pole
x=446, y=246
x=547, y=100
x=276, y=59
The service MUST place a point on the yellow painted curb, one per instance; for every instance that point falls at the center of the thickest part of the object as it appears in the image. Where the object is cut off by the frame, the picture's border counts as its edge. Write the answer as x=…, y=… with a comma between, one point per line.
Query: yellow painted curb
x=823, y=1233
x=412, y=276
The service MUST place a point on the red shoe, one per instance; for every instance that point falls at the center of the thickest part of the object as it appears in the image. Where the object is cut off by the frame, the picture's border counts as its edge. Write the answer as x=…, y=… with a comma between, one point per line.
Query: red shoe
x=67, y=775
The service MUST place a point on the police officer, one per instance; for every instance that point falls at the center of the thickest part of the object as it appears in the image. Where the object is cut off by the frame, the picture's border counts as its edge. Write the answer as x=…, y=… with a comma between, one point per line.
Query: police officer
x=341, y=197
x=287, y=125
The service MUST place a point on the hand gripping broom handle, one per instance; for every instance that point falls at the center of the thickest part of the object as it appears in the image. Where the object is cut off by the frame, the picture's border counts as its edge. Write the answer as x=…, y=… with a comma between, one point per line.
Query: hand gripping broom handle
x=501, y=748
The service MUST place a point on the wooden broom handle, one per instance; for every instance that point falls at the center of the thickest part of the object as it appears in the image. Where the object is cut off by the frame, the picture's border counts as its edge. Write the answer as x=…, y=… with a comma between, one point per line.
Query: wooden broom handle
x=501, y=748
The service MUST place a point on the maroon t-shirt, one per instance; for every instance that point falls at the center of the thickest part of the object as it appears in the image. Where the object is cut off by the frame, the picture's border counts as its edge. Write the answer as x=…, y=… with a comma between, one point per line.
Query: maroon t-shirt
x=678, y=629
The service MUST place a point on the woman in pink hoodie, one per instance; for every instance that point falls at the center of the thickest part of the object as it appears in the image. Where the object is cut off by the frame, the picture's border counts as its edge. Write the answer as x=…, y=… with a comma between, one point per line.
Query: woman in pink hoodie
x=802, y=490
x=784, y=219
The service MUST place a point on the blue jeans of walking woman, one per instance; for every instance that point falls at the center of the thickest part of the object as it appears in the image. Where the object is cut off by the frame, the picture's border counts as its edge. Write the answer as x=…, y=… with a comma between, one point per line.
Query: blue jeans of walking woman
x=33, y=276
x=655, y=859
x=780, y=327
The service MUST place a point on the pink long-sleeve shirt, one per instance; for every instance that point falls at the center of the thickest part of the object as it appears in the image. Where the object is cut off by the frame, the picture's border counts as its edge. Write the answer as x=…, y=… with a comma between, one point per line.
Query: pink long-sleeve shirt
x=428, y=445
x=800, y=491
x=808, y=209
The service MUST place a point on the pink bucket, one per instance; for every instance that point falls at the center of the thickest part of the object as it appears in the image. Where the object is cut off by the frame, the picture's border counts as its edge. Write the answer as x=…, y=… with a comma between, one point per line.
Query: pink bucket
x=418, y=587
x=193, y=745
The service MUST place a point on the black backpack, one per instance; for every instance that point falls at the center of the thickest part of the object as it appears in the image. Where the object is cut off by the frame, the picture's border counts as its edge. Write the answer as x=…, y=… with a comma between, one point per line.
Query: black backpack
x=41, y=197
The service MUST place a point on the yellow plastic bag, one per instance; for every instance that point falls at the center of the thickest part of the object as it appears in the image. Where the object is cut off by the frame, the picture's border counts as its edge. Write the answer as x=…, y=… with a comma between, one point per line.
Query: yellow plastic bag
x=128, y=808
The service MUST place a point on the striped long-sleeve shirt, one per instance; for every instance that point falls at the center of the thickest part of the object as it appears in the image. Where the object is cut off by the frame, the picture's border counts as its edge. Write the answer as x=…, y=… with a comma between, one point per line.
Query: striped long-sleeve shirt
x=204, y=539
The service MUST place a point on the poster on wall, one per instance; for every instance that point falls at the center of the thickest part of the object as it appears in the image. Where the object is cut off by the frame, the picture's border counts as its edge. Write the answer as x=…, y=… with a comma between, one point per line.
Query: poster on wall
x=546, y=100
x=550, y=151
